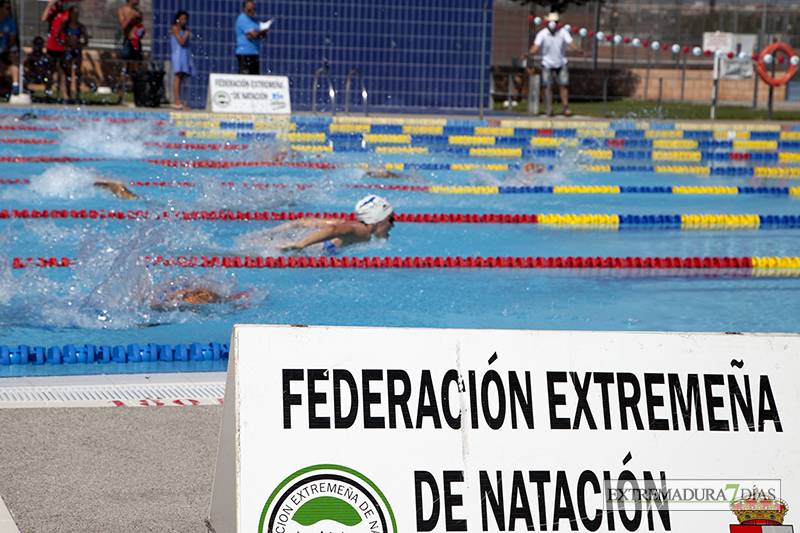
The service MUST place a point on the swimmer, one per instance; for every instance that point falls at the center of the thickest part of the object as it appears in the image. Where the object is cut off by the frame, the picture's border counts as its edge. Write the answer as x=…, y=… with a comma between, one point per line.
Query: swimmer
x=186, y=297
x=374, y=214
x=192, y=296
x=382, y=173
x=277, y=154
x=117, y=188
x=280, y=156
x=202, y=295
x=536, y=168
x=24, y=117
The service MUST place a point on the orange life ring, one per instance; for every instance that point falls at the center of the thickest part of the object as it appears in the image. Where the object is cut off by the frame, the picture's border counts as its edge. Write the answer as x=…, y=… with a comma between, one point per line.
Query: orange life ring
x=762, y=70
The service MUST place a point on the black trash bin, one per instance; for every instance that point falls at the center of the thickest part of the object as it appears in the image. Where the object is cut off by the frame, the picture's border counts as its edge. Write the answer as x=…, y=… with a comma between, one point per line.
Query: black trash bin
x=148, y=87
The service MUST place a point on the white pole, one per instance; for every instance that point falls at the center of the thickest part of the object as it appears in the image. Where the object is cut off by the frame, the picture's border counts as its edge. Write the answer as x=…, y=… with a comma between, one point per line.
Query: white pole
x=715, y=87
x=483, y=60
x=20, y=30
x=23, y=97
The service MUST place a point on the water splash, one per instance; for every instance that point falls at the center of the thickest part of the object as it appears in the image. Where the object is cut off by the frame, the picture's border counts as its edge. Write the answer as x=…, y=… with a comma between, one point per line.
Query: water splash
x=103, y=139
x=8, y=286
x=210, y=194
x=110, y=287
x=63, y=181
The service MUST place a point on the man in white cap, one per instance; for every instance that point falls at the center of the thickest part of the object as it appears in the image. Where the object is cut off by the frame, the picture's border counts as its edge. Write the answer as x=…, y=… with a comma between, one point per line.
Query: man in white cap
x=553, y=41
x=374, y=215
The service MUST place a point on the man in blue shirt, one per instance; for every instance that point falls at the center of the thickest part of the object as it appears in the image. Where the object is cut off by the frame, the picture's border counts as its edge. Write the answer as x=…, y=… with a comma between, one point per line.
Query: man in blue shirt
x=248, y=39
x=9, y=53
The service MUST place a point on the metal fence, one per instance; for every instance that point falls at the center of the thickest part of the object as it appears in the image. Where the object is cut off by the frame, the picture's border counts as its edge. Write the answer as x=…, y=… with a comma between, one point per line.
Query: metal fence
x=616, y=68
x=679, y=23
x=630, y=72
x=99, y=17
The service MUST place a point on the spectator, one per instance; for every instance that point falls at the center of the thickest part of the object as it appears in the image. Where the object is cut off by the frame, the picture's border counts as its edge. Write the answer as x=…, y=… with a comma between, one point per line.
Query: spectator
x=552, y=41
x=129, y=17
x=55, y=14
x=182, y=60
x=74, y=37
x=39, y=68
x=248, y=36
x=9, y=53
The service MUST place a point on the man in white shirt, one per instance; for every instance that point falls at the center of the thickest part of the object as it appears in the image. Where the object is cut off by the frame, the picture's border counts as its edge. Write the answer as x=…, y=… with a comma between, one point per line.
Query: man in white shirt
x=553, y=41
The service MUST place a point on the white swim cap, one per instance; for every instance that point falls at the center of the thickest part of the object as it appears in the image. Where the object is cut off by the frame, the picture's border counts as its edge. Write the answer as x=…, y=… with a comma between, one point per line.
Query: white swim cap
x=372, y=209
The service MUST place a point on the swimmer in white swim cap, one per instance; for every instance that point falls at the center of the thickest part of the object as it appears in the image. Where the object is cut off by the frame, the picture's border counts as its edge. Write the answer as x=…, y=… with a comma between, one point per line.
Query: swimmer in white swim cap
x=374, y=215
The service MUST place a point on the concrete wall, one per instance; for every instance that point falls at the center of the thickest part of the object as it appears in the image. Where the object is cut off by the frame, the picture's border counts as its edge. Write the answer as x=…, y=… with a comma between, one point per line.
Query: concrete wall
x=698, y=86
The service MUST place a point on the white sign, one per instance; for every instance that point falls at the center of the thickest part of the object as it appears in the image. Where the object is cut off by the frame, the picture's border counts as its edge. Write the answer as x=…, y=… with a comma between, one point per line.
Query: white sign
x=730, y=42
x=735, y=69
x=404, y=430
x=724, y=42
x=235, y=93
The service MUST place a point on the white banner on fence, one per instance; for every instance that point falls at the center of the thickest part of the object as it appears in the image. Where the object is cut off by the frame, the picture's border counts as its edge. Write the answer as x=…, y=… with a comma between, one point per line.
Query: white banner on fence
x=717, y=40
x=730, y=42
x=732, y=69
x=235, y=93
x=402, y=430
x=735, y=69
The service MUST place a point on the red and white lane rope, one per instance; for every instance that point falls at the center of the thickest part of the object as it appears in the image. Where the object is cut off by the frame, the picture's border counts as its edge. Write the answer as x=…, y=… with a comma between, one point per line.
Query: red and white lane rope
x=131, y=214
x=790, y=263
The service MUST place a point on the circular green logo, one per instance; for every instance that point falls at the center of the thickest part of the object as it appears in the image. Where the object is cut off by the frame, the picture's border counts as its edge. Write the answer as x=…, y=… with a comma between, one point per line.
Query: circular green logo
x=222, y=98
x=327, y=498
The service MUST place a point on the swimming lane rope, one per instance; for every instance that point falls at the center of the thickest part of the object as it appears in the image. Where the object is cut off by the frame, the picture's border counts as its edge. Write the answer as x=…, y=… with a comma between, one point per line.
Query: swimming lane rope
x=132, y=353
x=684, y=221
x=560, y=262
x=197, y=146
x=730, y=171
x=27, y=141
x=478, y=189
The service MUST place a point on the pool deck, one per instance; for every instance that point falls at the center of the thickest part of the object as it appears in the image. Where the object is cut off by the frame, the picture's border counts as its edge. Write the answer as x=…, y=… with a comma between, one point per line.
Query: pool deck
x=105, y=469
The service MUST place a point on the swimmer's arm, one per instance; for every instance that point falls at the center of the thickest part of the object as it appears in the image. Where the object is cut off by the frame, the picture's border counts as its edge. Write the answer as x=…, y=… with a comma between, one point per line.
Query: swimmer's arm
x=310, y=223
x=321, y=222
x=117, y=188
x=325, y=234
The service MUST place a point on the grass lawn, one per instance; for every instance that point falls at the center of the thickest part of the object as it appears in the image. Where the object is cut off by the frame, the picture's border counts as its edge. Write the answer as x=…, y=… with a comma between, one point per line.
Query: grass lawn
x=641, y=109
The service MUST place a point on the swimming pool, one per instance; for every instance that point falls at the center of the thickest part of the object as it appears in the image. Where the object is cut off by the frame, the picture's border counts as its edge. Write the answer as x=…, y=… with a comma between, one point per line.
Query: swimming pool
x=212, y=187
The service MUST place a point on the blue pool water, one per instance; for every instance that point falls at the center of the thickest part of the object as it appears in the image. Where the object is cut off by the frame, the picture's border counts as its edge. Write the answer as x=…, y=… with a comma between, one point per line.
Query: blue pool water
x=105, y=298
